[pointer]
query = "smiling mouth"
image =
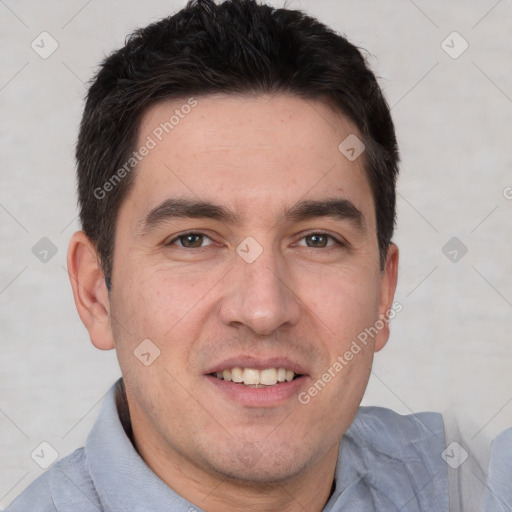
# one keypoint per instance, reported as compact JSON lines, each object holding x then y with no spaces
{"x":254,"y":378}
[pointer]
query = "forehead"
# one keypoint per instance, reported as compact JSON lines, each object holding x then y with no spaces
{"x":254,"y":152}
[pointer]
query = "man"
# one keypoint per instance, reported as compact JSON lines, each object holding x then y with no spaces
{"x":236,"y":177}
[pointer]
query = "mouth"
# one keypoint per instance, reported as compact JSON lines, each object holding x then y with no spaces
{"x":254,"y":382}
{"x":254,"y":378}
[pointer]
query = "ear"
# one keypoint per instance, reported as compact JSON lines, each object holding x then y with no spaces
{"x":388,"y":282}
{"x":89,"y":290}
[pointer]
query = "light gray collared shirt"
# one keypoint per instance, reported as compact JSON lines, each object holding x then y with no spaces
{"x":498,"y":497}
{"x":387,"y":463}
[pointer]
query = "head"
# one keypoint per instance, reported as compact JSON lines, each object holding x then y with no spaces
{"x":236,"y":178}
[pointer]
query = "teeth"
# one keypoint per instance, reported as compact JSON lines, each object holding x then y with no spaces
{"x":253,"y":377}
{"x":268,"y":377}
{"x":237,"y":375}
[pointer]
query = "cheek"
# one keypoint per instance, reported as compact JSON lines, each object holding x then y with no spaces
{"x":347,"y":300}
{"x":154,"y":301}
{"x":156,"y":305}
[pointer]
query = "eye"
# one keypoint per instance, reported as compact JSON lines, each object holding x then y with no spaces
{"x":190,"y":240}
{"x":320,"y":240}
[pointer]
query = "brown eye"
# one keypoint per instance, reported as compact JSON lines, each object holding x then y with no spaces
{"x":316,"y":240}
{"x":320,"y":240}
{"x":190,"y":240}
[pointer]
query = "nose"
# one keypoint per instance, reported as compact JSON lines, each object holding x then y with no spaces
{"x":260,"y":295}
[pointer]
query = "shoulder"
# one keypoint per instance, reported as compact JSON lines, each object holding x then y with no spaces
{"x":499,"y":490}
{"x":401,"y":437}
{"x":66,"y":486}
{"x":395,"y":460}
{"x":422,"y":424}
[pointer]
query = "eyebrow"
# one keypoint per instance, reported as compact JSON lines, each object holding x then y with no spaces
{"x":172,"y":208}
{"x":337,"y":208}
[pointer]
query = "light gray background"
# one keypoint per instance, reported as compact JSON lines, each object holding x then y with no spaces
{"x":450,"y":348}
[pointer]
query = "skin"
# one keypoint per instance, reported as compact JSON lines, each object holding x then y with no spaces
{"x":204,"y":304}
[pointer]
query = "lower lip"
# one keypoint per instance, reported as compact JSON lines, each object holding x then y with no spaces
{"x":268,"y":396}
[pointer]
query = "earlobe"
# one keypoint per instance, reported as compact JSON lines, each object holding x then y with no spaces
{"x":89,"y":290}
{"x":388,"y":283}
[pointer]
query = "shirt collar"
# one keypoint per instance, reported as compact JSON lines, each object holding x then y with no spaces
{"x":112,"y":459}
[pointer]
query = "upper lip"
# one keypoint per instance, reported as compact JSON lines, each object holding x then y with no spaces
{"x":257,"y":364}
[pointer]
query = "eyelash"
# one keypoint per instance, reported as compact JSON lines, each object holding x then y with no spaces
{"x":337,"y":242}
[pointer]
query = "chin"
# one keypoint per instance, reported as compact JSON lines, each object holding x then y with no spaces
{"x":251,"y":465}
{"x":258,"y":475}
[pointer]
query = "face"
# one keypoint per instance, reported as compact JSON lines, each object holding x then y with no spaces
{"x":246,"y":251}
